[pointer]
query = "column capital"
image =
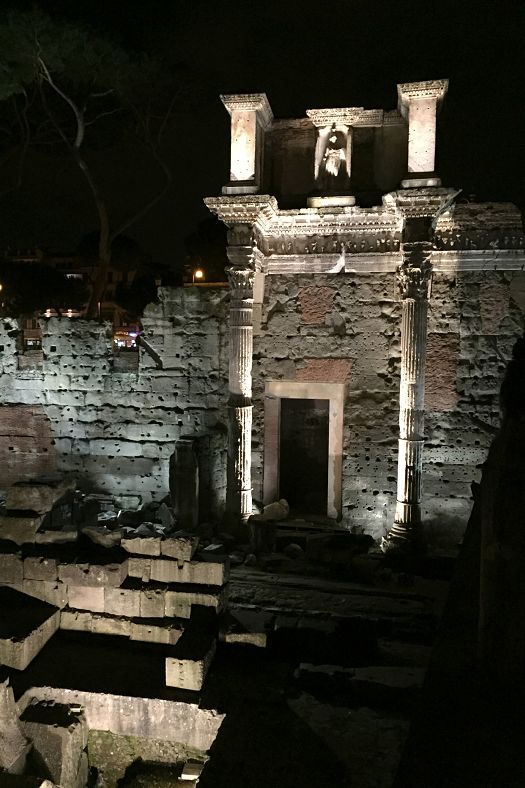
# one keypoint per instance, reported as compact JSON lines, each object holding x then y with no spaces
{"x":244,"y":209}
{"x":240,"y":280}
{"x":413,"y":275}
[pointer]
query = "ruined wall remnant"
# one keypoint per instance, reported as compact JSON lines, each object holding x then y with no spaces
{"x":116,"y":431}
{"x":357,"y":343}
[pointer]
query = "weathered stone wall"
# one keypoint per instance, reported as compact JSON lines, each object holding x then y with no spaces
{"x":345,"y":329}
{"x":474,"y":320}
{"x":339,"y":329}
{"x":117,"y":430}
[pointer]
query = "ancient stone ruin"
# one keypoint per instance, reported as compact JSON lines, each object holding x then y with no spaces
{"x":335,"y":398}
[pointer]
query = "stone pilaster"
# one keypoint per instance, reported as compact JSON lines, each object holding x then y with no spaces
{"x":413,"y":277}
{"x":239,"y":485}
{"x":250,"y":115}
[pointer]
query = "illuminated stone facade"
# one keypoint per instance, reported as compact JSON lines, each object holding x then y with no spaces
{"x":369,"y":274}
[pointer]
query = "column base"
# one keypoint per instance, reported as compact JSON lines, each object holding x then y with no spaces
{"x":404,"y":538}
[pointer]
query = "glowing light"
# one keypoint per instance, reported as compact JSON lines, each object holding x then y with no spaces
{"x":198,"y":275}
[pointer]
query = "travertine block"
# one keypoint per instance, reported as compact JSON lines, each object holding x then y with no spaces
{"x":59,"y":735}
{"x":26,"y":628}
{"x":195,"y":572}
{"x":110,"y":625}
{"x":13,"y":744}
{"x":107,"y":575}
{"x":149,"y":632}
{"x":86,"y":598}
{"x":139,"y":567}
{"x":40,"y":568}
{"x":176,"y":600}
{"x":152,"y":603}
{"x":50,"y":591}
{"x":192,"y":657}
{"x":35,"y":496}
{"x":76,"y":620}
{"x":181,"y":547}
{"x":122,"y":602}
{"x":11,"y":568}
{"x":20,"y":530}
{"x":142,"y":545}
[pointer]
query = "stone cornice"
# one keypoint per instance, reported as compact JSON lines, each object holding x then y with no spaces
{"x":417,"y":91}
{"x":420,"y":203}
{"x":256,"y":210}
{"x":255,"y":102}
{"x":348,"y":116}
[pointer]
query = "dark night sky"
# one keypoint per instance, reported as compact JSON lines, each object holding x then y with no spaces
{"x":305,"y":54}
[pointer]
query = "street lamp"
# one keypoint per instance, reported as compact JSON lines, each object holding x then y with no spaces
{"x":198,"y":274}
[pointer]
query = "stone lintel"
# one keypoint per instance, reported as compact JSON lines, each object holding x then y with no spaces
{"x":346,"y":116}
{"x":250,"y":102}
{"x":429,"y":90}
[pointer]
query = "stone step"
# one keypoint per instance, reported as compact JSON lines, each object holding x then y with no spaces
{"x":166,"y":630}
{"x":25,"y":627}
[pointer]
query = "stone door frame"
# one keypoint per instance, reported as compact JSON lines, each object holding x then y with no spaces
{"x":274,"y":392}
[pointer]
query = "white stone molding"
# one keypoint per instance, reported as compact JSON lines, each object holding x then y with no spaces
{"x":249,"y":102}
{"x":275,"y":391}
{"x":347,"y":116}
{"x":418,"y":102}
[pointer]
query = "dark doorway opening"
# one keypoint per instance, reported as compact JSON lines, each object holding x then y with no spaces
{"x":303,"y":462}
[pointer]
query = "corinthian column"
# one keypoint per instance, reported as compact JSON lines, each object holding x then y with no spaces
{"x":239,"y":483}
{"x":413,"y":277}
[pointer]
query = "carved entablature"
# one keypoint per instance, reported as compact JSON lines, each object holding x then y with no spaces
{"x":240,"y":280}
{"x":489,"y":226}
{"x":251,"y":102}
{"x":420,"y":203}
{"x":256,"y":210}
{"x":408,"y":92}
{"x":413,"y":275}
{"x":354,"y":243}
{"x":346,"y":116}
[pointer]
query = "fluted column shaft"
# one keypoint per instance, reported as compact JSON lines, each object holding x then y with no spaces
{"x":239,"y":482}
{"x":413,"y":279}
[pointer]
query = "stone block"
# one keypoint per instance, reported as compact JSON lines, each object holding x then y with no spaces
{"x":187,"y":667}
{"x":181,"y":547}
{"x":152,"y":603}
{"x":152,"y":632}
{"x":86,"y":598}
{"x":20,"y":530}
{"x":59,"y":734}
{"x":142,"y":545}
{"x":11,"y":568}
{"x":212,"y":598}
{"x":107,"y":575}
{"x":53,"y":592}
{"x":194,"y":572}
{"x":76,"y":620}
{"x":110,"y":625}
{"x":25,"y":627}
{"x":122,"y":602}
{"x":39,"y":497}
{"x":13,"y":744}
{"x":40,"y":568}
{"x":139,"y":567}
